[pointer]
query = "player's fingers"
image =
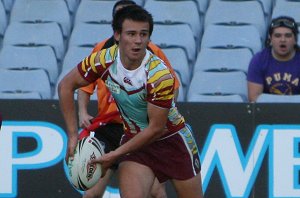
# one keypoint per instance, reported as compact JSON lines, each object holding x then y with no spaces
{"x":94,"y":161}
{"x":103,"y":171}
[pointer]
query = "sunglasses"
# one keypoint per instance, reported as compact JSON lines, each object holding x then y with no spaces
{"x":283,"y":23}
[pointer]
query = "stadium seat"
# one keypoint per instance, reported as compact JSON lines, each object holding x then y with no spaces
{"x":63,"y":73}
{"x":3,"y":20}
{"x":43,"y":11}
{"x":173,"y":14}
{"x":236,"y":12}
{"x":138,"y":2}
{"x":218,"y":83}
{"x":36,"y":34}
{"x":26,"y":80}
{"x":20,"y":95}
{"x":8,"y":4}
{"x":182,"y":89}
{"x":231,"y":98}
{"x":287,"y":8}
{"x":74,"y":55}
{"x":89,"y":34}
{"x":273,"y":98}
{"x":30,"y":57}
{"x":94,"y":11}
{"x":175,"y":36}
{"x":200,"y":4}
{"x":267,"y":7}
{"x":232,"y":36}
{"x":179,"y":62}
{"x":223,"y":59}
{"x":72,"y":5}
{"x":60,"y":77}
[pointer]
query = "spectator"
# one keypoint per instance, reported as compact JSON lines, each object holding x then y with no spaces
{"x":276,"y":69}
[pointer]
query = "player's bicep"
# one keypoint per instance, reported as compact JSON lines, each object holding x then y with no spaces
{"x":158,"y":117}
{"x":73,"y":80}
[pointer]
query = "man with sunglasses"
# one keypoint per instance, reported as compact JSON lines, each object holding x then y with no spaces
{"x":276,"y":69}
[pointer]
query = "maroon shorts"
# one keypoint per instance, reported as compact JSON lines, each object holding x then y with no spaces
{"x":175,"y":157}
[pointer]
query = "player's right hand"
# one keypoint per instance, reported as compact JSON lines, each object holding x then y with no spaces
{"x":85,"y":120}
{"x":72,"y":143}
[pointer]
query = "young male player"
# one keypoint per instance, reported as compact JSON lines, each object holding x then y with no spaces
{"x":107,"y":124}
{"x":157,"y":142}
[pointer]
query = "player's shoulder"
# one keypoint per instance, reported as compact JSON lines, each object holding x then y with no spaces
{"x":107,"y":54}
{"x":156,"y":68}
{"x":155,"y":61}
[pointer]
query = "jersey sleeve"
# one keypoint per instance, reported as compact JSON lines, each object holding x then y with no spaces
{"x":87,"y":68}
{"x":91,"y":87}
{"x":160,"y":85}
{"x":158,"y":52}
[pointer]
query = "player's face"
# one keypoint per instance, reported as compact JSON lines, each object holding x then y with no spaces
{"x":133,"y":41}
{"x":283,"y":41}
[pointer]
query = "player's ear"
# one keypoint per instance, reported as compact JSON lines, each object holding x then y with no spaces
{"x":117,"y":36}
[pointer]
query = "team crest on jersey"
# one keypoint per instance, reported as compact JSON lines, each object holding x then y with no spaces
{"x":127,"y":80}
{"x":113,"y":87}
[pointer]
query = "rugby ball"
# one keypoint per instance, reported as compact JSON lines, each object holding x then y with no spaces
{"x":82,"y":174}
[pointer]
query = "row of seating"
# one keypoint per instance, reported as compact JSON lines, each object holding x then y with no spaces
{"x":196,"y":42}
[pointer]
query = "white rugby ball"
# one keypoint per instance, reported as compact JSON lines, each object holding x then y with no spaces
{"x":82,"y":174}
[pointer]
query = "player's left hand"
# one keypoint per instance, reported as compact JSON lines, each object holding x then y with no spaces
{"x":106,"y":161}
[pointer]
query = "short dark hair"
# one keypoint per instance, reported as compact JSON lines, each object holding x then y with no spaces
{"x":122,"y":3}
{"x":135,"y":13}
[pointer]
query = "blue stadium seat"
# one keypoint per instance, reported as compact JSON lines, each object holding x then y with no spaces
{"x":139,"y":2}
{"x":74,"y":55}
{"x":43,"y":11}
{"x":35,"y":80}
{"x":94,"y":11}
{"x":273,"y":98}
{"x":89,"y":34}
{"x":218,"y":83}
{"x":20,"y":95}
{"x":175,"y":36}
{"x":236,"y":12}
{"x":72,"y":5}
{"x":8,"y":4}
{"x":179,"y":62}
{"x":231,"y":98}
{"x":36,"y":34}
{"x":173,"y":14}
{"x":287,"y":8}
{"x":182,"y":89}
{"x":267,"y":7}
{"x":200,"y":4}
{"x":30,"y":57}
{"x":3,"y":20}
{"x":223,"y":59}
{"x":60,"y":77}
{"x":232,"y":36}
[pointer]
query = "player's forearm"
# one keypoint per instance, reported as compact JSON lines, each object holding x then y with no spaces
{"x":83,"y":101}
{"x":67,"y":106}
